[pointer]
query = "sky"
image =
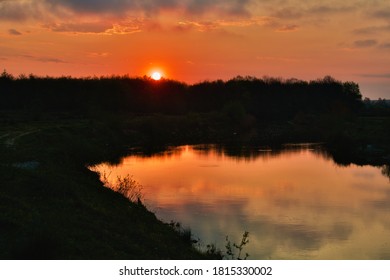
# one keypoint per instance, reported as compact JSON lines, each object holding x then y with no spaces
{"x":197,"y":40}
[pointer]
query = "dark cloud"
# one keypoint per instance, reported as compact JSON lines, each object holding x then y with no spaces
{"x":365,"y":43}
{"x":288,"y":13}
{"x":108,"y":7}
{"x":231,"y":7}
{"x":288,"y":28}
{"x":300,"y":236}
{"x":14,"y":32}
{"x":372,"y":30}
{"x":295,"y":12}
{"x":288,"y":17}
{"x":12,"y":11}
{"x":50,"y":59}
{"x":43,"y":58}
{"x":380,"y":75}
{"x":279,"y":26}
{"x":326,"y":10}
{"x":383,"y":13}
{"x":381,"y":205}
{"x":22,"y":10}
{"x":385,"y":46}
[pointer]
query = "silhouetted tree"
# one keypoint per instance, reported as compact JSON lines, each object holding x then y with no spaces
{"x":263,"y":98}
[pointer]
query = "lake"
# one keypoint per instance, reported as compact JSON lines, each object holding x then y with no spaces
{"x":296,"y":203}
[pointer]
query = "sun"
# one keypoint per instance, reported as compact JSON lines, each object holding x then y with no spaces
{"x":156,"y":76}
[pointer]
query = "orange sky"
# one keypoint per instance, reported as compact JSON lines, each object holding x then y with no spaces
{"x":194,"y":40}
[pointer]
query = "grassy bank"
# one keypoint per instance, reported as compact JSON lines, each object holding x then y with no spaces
{"x":53,"y":207}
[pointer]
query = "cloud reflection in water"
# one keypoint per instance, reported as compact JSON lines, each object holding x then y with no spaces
{"x":296,"y":203}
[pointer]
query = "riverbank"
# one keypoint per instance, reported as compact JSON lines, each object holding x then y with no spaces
{"x":53,"y":207}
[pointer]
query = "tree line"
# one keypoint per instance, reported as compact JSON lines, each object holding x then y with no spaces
{"x":266,"y":98}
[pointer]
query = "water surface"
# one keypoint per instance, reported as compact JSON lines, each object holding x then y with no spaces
{"x":296,"y":203}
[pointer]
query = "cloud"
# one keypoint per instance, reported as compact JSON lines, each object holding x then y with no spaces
{"x":385,"y":46}
{"x":365,"y":43}
{"x":327,"y":10}
{"x":103,"y":26}
{"x":290,"y":17}
{"x":229,"y":7}
{"x":298,"y":237}
{"x":296,"y":12}
{"x":102,"y":16}
{"x":288,"y":13}
{"x":14,"y":32}
{"x":45,"y":59}
{"x":372,"y":30}
{"x":116,"y":7}
{"x":279,"y":25}
{"x":382,"y":13}
{"x":200,"y":26}
{"x":98,"y":54}
{"x":277,"y":59}
{"x":378,"y":75}
{"x":149,"y":7}
{"x":17,"y":10}
{"x":50,"y":59}
{"x":212,"y":25}
{"x":288,"y":28}
{"x":203,"y":26}
{"x":20,"y":10}
{"x":260,"y":21}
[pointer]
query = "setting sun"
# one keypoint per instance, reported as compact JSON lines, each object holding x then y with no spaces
{"x":156,"y":76}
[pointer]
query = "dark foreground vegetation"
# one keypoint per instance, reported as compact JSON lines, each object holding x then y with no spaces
{"x":53,"y":207}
